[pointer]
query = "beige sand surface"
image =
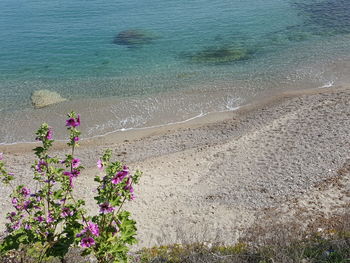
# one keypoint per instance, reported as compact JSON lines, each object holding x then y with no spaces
{"x":211,"y":179}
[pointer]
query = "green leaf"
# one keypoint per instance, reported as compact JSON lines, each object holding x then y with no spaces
{"x":97,"y":179}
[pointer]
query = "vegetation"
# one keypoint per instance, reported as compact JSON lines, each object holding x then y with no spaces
{"x":322,"y":246}
{"x":47,"y":222}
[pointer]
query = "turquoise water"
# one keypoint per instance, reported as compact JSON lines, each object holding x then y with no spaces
{"x":202,"y":56}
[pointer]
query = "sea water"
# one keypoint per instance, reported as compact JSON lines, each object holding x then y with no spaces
{"x":189,"y":58}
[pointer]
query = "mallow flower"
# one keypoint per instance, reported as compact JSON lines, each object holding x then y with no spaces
{"x":93,"y":228}
{"x":75,"y":163}
{"x":87,"y":242}
{"x":41,"y":164}
{"x":49,"y":134}
{"x":66,"y":212}
{"x":106,"y":208}
{"x":25,"y":191}
{"x":120,"y":176}
{"x":99,"y":164}
{"x":72,"y":122}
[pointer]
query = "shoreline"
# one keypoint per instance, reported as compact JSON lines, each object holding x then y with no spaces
{"x":118,"y":136}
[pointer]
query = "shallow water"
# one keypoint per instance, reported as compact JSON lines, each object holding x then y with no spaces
{"x":200,"y":56}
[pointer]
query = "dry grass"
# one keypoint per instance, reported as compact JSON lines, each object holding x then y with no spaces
{"x":325,"y":241}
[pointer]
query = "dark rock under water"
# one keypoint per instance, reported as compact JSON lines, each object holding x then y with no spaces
{"x":326,"y":17}
{"x":322,"y":18}
{"x":219,"y":55}
{"x":133,"y":38}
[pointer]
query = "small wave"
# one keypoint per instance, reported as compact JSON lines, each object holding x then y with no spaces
{"x":329,"y":84}
{"x":202,"y":114}
{"x":163,"y":125}
{"x":150,"y":127}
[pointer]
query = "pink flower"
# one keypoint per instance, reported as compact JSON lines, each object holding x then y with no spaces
{"x":49,"y":134}
{"x":75,"y":173}
{"x":82,"y":233}
{"x":123,"y":173}
{"x":71,"y":181}
{"x":16,"y":226}
{"x":116,"y":180}
{"x":39,"y":218}
{"x":26,"y":204}
{"x":49,"y":219}
{"x":76,"y":139}
{"x":14,"y":201}
{"x":128,"y":182}
{"x":75,"y":162}
{"x":10,"y":216}
{"x":120,"y":176}
{"x":25,"y":191}
{"x":93,"y":228}
{"x":87,"y":242}
{"x":66,"y":212}
{"x":100,"y":164}
{"x":129,"y":188}
{"x":72,"y":175}
{"x":72,"y":122}
{"x":106,"y":208}
{"x":39,"y":167}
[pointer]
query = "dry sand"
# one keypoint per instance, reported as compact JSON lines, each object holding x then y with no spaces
{"x":211,"y":179}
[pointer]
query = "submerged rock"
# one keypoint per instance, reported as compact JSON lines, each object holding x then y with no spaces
{"x":298,"y":36}
{"x":327,"y":17}
{"x":133,"y":37}
{"x":43,"y":98}
{"x":186,"y":75}
{"x":218,"y":55}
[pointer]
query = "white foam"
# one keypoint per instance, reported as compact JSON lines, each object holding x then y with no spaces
{"x":329,"y":84}
{"x":141,"y":128}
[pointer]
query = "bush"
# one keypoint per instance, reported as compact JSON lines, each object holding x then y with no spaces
{"x":51,"y":220}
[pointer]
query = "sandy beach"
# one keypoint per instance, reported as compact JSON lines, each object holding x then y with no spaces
{"x":211,"y":179}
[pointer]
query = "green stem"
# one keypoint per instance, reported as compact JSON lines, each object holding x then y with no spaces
{"x":48,"y":194}
{"x":82,"y":214}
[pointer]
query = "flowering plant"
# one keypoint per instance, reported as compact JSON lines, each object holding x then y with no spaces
{"x":54,"y":220}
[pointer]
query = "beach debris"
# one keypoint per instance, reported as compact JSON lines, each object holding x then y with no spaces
{"x":44,"y":97}
{"x":134,"y":38}
{"x":220,"y":55}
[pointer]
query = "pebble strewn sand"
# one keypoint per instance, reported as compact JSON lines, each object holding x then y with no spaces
{"x":210,"y":182}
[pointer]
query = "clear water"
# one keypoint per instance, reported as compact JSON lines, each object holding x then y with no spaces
{"x":67,"y":46}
